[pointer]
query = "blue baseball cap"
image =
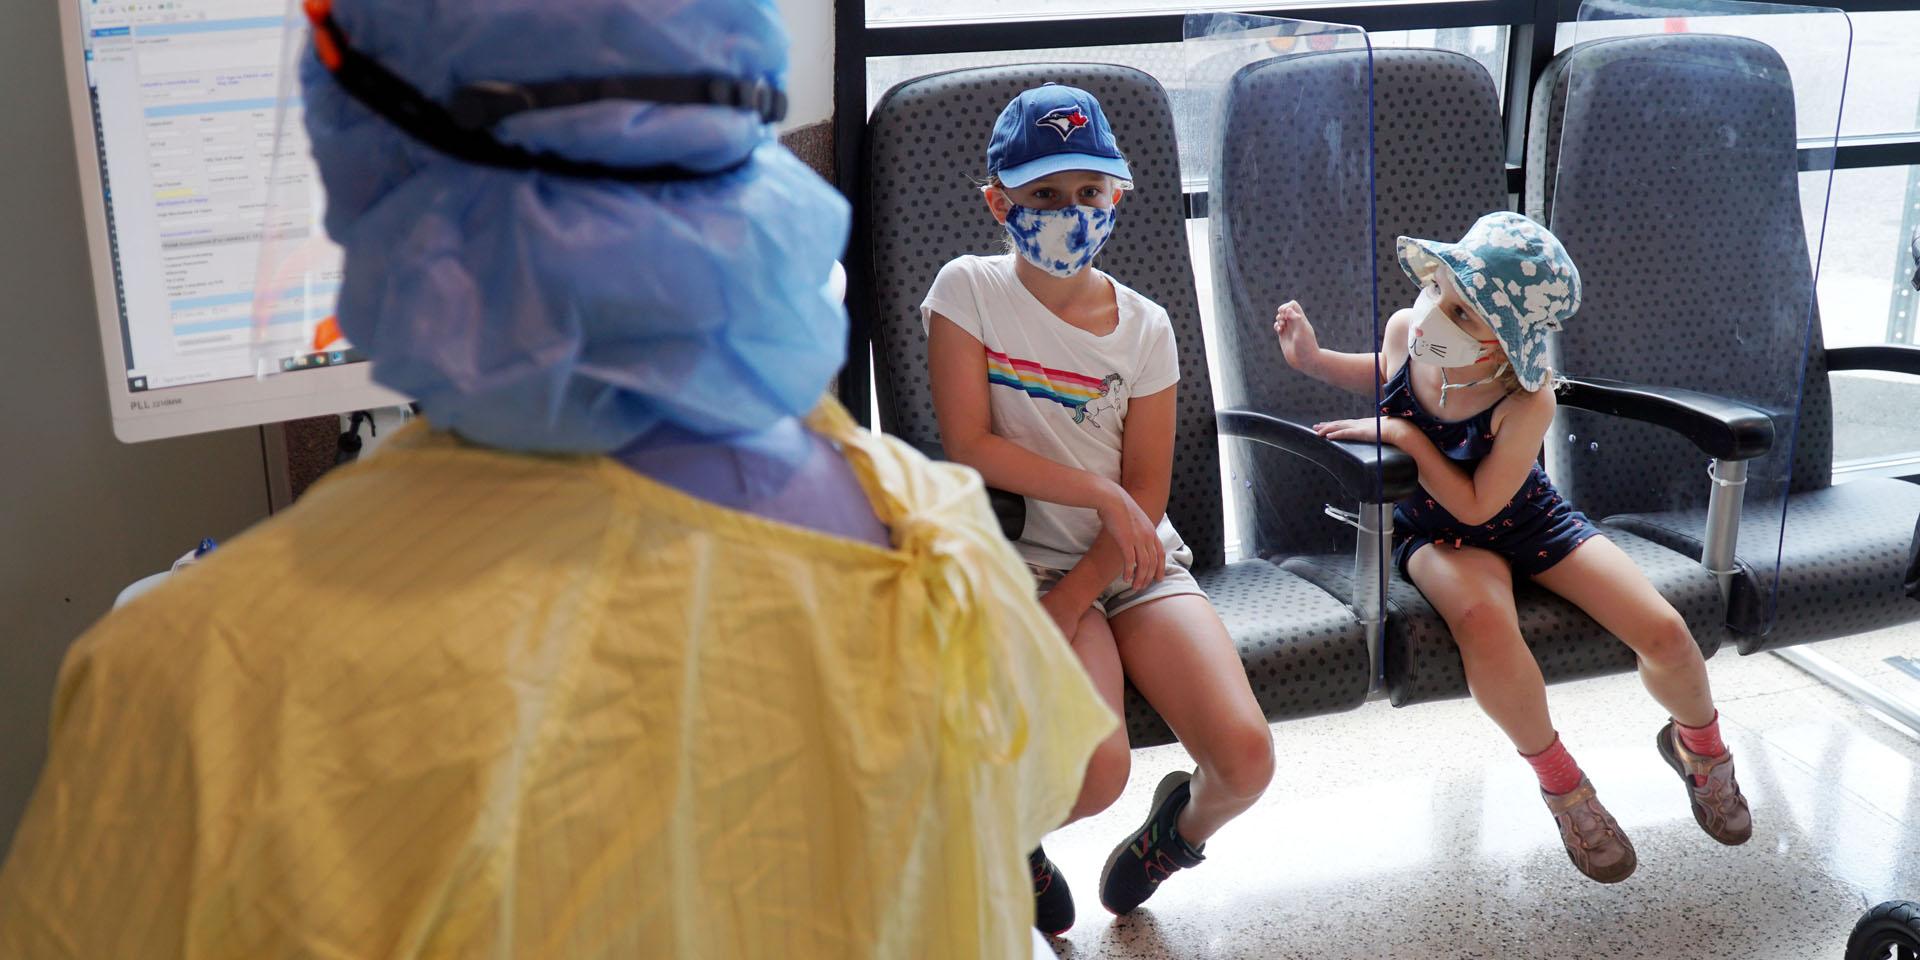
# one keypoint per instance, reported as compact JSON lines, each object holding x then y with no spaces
{"x":1050,"y":129}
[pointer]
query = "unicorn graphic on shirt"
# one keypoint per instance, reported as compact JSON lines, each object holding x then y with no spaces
{"x":1106,"y":401}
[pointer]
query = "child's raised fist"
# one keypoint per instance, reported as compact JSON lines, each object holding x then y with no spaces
{"x":1297,"y":341}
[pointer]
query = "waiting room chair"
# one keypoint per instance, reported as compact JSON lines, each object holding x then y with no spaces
{"x":1686,"y":155}
{"x":1437,"y":168}
{"x":1304,"y":651}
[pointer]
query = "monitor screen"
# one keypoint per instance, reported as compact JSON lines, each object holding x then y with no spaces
{"x":176,"y":104}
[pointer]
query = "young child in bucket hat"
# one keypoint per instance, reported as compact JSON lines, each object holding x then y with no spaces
{"x":1465,"y":377}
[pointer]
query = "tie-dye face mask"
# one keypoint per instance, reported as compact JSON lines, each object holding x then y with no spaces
{"x":1062,"y":242}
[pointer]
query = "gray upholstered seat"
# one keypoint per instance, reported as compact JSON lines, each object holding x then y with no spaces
{"x":1715,"y":252}
{"x":1302,"y":649}
{"x":1841,"y":572}
{"x":1423,"y":664}
{"x":1438,"y":167}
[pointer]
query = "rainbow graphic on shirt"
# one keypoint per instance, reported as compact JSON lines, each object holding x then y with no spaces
{"x":1064,"y":387}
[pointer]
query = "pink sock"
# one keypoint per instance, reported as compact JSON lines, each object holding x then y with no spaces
{"x":1555,"y":767}
{"x":1702,"y":741}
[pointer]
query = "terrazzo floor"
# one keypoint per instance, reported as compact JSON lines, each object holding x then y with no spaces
{"x":1418,"y":833}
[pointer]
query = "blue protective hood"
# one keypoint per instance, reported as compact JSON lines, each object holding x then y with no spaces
{"x":535,"y":312}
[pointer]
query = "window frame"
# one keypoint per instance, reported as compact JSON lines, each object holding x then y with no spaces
{"x":1533,"y":28}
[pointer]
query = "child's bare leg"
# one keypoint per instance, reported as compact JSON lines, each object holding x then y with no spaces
{"x":1472,"y":589}
{"x":1178,"y":654}
{"x":1107,"y":769}
{"x":1601,"y":579}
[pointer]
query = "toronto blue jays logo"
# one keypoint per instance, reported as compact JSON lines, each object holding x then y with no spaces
{"x":1063,"y":121}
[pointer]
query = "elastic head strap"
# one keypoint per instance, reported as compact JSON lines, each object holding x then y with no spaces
{"x":482,"y":105}
{"x":400,"y":103}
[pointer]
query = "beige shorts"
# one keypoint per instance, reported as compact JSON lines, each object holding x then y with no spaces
{"x":1119,"y":596}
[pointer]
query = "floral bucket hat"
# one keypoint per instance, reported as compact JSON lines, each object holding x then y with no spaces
{"x":1516,"y":274}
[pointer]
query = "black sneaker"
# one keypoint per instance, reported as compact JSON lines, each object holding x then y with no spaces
{"x":1052,"y":901}
{"x":1153,"y":853}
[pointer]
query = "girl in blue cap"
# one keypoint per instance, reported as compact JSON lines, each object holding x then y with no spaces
{"x":1463,"y":371}
{"x":1058,"y":383}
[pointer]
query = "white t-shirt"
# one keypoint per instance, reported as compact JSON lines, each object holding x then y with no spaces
{"x":1056,"y":389}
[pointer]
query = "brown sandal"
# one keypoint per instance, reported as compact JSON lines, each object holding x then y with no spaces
{"x":1718,"y":805}
{"x":1595,"y":843}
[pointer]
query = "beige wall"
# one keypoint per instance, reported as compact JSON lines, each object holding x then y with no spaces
{"x":808,"y":130}
{"x":81,"y":514}
{"x":810,"y":70}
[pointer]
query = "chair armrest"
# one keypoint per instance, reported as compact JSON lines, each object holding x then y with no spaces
{"x":1009,"y":508}
{"x":1723,"y":429}
{"x":1369,"y":473}
{"x":1891,"y":357}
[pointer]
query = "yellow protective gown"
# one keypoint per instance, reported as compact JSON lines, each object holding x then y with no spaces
{"x":460,"y":703}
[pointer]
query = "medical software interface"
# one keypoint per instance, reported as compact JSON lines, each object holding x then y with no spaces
{"x":185,"y":104}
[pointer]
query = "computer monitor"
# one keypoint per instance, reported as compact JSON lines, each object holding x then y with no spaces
{"x":175,"y":104}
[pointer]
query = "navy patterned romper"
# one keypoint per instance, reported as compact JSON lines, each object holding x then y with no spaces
{"x":1534,"y":531}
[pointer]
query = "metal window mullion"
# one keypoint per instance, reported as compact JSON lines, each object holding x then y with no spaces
{"x":850,"y":167}
{"x":1529,"y":48}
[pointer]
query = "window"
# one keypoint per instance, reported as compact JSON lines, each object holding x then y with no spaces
{"x":1882,"y":94}
{"x":1867,"y":297}
{"x":952,"y":11}
{"x":1864,"y":283}
{"x":1163,"y":61}
{"x":1866,"y":269}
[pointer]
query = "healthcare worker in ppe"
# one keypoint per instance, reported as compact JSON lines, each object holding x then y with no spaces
{"x":638,"y":647}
